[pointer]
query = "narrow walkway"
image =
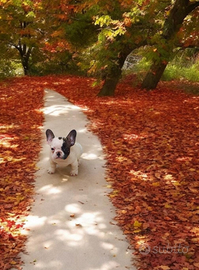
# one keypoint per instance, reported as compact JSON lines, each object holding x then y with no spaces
{"x":71,"y":223}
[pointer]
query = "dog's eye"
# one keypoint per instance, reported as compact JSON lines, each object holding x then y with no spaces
{"x":52,"y":149}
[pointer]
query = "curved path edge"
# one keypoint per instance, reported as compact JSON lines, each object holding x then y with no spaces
{"x":71,"y":224}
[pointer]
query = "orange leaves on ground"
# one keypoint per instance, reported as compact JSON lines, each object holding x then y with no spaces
{"x":151,"y":141}
{"x":152,"y":149}
{"x":20,"y":120}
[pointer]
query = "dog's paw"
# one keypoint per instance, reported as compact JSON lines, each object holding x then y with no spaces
{"x":51,"y":171}
{"x":73,"y":173}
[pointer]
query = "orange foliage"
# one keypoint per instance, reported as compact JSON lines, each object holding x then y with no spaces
{"x":20,"y":120}
{"x":151,"y":144}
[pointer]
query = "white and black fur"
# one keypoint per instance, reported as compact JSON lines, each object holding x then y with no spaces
{"x":64,"y":151}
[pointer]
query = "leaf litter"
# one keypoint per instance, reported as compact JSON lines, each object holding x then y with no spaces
{"x":20,"y":136}
{"x":151,"y":142}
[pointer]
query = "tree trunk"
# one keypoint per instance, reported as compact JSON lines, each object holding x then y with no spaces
{"x":153,"y":76}
{"x":113,"y":76}
{"x":25,"y":53}
{"x":171,"y":27}
{"x":111,"y":81}
{"x":25,"y":64}
{"x":109,"y":86}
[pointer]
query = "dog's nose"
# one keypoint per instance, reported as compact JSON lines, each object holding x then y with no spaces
{"x":58,"y":154}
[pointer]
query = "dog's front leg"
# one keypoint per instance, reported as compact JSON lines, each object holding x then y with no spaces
{"x":74,"y":168}
{"x":52,"y":167}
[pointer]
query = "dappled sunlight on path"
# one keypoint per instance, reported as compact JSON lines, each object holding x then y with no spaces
{"x":71,"y":223}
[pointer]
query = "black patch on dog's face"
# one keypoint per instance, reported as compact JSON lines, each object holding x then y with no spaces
{"x":60,"y":138}
{"x":68,"y":142}
{"x":66,"y":150}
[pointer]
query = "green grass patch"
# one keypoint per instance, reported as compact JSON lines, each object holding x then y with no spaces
{"x":175,"y":72}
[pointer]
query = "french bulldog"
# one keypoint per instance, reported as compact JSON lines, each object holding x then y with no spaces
{"x":64,"y":151}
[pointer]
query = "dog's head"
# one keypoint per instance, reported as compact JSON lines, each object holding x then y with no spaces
{"x":60,"y":147}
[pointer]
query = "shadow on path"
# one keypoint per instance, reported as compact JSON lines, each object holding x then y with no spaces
{"x":71,"y":223}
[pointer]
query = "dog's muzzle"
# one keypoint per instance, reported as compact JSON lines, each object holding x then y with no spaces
{"x":59,"y":154}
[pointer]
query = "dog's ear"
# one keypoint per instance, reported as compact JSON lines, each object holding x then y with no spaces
{"x":49,"y":136}
{"x":70,"y":139}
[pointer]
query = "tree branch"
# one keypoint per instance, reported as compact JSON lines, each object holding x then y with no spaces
{"x":192,"y":6}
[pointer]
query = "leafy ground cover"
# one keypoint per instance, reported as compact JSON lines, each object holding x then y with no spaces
{"x":20,"y":120}
{"x":151,"y":141}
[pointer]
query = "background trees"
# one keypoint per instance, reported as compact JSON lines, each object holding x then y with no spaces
{"x":169,"y":41}
{"x":97,"y":36}
{"x":20,"y":29}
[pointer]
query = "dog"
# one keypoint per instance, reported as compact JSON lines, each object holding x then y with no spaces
{"x":64,"y":151}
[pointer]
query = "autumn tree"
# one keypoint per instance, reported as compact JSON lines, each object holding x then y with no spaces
{"x":125,"y":26}
{"x":21,"y":28}
{"x":75,"y":30}
{"x":32,"y":28}
{"x":122,"y":27}
{"x":168,"y":40}
{"x":97,"y":35}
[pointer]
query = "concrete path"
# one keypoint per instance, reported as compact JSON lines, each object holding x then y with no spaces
{"x":71,"y":223}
